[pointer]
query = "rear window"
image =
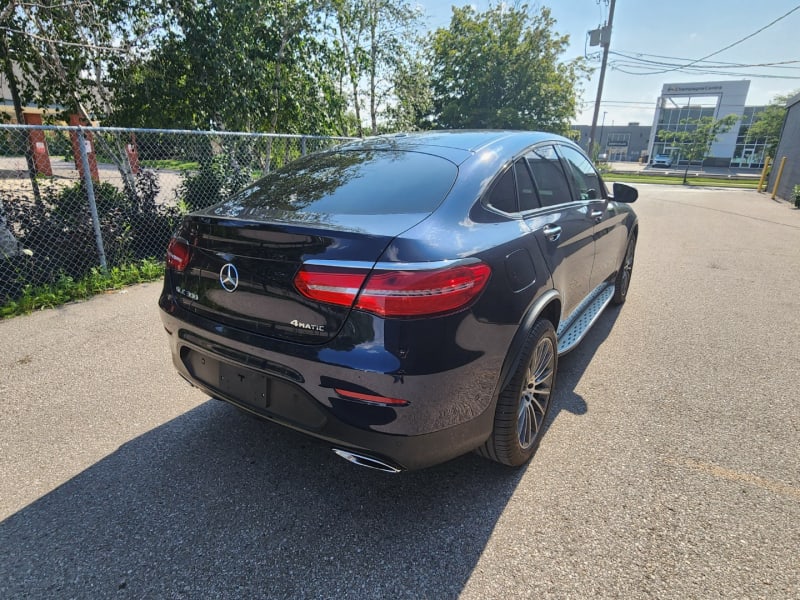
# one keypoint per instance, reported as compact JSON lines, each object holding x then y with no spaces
{"x":349,"y":182}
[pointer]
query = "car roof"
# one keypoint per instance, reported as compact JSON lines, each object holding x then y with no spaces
{"x":456,"y":145}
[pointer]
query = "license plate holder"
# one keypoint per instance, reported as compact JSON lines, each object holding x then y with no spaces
{"x":245,"y":385}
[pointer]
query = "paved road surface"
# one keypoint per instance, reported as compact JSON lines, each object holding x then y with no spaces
{"x":670,"y":469}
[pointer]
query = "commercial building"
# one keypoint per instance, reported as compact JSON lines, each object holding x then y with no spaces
{"x":681,"y":103}
{"x":617,"y":142}
{"x":678,"y":105}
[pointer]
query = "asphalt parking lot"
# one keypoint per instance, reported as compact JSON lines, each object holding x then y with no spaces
{"x":670,"y":468}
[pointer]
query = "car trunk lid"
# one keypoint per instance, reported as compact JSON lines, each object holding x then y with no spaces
{"x":341,"y":207}
{"x":241,"y":274}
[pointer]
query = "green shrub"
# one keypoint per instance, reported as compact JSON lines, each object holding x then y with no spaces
{"x":66,"y":289}
{"x":58,"y":235}
{"x":217,"y":179}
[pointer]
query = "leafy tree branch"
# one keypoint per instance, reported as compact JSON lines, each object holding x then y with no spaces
{"x":697,"y":137}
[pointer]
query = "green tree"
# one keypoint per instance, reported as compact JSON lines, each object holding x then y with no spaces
{"x":413,"y":95}
{"x":60,"y":53}
{"x":504,"y":68}
{"x":697,"y":137}
{"x":243,"y":65}
{"x":767,"y":124}
{"x":350,"y":33}
{"x":375,"y":39}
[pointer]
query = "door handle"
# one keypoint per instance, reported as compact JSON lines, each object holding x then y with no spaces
{"x":597,"y":215}
{"x":552,"y":232}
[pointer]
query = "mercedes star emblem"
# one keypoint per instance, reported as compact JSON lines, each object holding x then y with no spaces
{"x":229,"y":277}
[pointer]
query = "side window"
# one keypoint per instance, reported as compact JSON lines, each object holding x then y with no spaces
{"x":504,"y":193}
{"x":586,"y":181}
{"x":525,"y":187}
{"x":549,"y":176}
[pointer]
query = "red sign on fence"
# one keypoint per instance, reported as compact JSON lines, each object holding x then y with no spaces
{"x":41,"y":158}
{"x":133,"y":154}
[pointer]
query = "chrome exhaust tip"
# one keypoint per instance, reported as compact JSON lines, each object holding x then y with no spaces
{"x":366,"y":461}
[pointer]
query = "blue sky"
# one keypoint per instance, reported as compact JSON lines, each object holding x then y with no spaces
{"x":689,"y":29}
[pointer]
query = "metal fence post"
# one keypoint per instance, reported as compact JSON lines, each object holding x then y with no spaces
{"x":303,"y":146}
{"x":87,"y":179}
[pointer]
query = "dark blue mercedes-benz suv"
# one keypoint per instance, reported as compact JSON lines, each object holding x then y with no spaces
{"x":404,"y":298}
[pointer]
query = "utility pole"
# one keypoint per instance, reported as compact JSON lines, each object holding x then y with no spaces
{"x":605,"y":42}
{"x":602,"y":127}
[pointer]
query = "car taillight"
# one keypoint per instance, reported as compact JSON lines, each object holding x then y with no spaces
{"x":395,"y":293}
{"x":330,"y":284}
{"x":178,"y":253}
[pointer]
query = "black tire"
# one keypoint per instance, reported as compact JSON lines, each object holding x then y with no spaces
{"x":523,"y":405}
{"x":623,"y":280}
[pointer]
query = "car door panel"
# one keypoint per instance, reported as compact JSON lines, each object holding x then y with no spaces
{"x":563,"y":228}
{"x":608,"y":225}
{"x":570,"y":254}
{"x":610,"y":238}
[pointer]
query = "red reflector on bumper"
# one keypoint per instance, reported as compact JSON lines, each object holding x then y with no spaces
{"x":350,"y":395}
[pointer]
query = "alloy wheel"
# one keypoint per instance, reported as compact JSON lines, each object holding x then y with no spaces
{"x":535,"y":396}
{"x":627,"y":268}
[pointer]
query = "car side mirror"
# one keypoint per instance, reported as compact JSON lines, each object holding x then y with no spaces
{"x":625,"y":193}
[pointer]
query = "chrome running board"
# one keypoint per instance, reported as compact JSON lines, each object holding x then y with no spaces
{"x":573,"y":329}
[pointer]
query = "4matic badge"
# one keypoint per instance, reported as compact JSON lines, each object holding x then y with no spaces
{"x":301,"y":325}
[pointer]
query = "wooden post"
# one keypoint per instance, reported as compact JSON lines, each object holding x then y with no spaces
{"x":764,"y":173}
{"x":778,"y":178}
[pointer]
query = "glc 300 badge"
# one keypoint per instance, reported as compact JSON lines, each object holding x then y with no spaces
{"x":229,"y":277}
{"x":187,"y":293}
{"x":301,"y":325}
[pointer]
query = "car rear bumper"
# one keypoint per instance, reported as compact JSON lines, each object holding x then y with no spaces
{"x":448,"y":413}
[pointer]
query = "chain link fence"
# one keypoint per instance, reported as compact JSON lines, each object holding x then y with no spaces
{"x":78,"y":199}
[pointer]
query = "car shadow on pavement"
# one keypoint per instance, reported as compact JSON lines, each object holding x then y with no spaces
{"x":216,"y":504}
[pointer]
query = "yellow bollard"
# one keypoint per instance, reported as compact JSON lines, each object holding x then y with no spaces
{"x":764,"y":173}
{"x":778,"y":178}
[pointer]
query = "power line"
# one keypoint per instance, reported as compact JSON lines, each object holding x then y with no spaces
{"x":728,"y":47}
{"x":708,"y":65}
{"x":609,"y":102}
{"x":623,"y":67}
{"x":643,"y":66}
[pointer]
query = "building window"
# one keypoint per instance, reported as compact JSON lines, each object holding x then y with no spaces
{"x":617,"y":146}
